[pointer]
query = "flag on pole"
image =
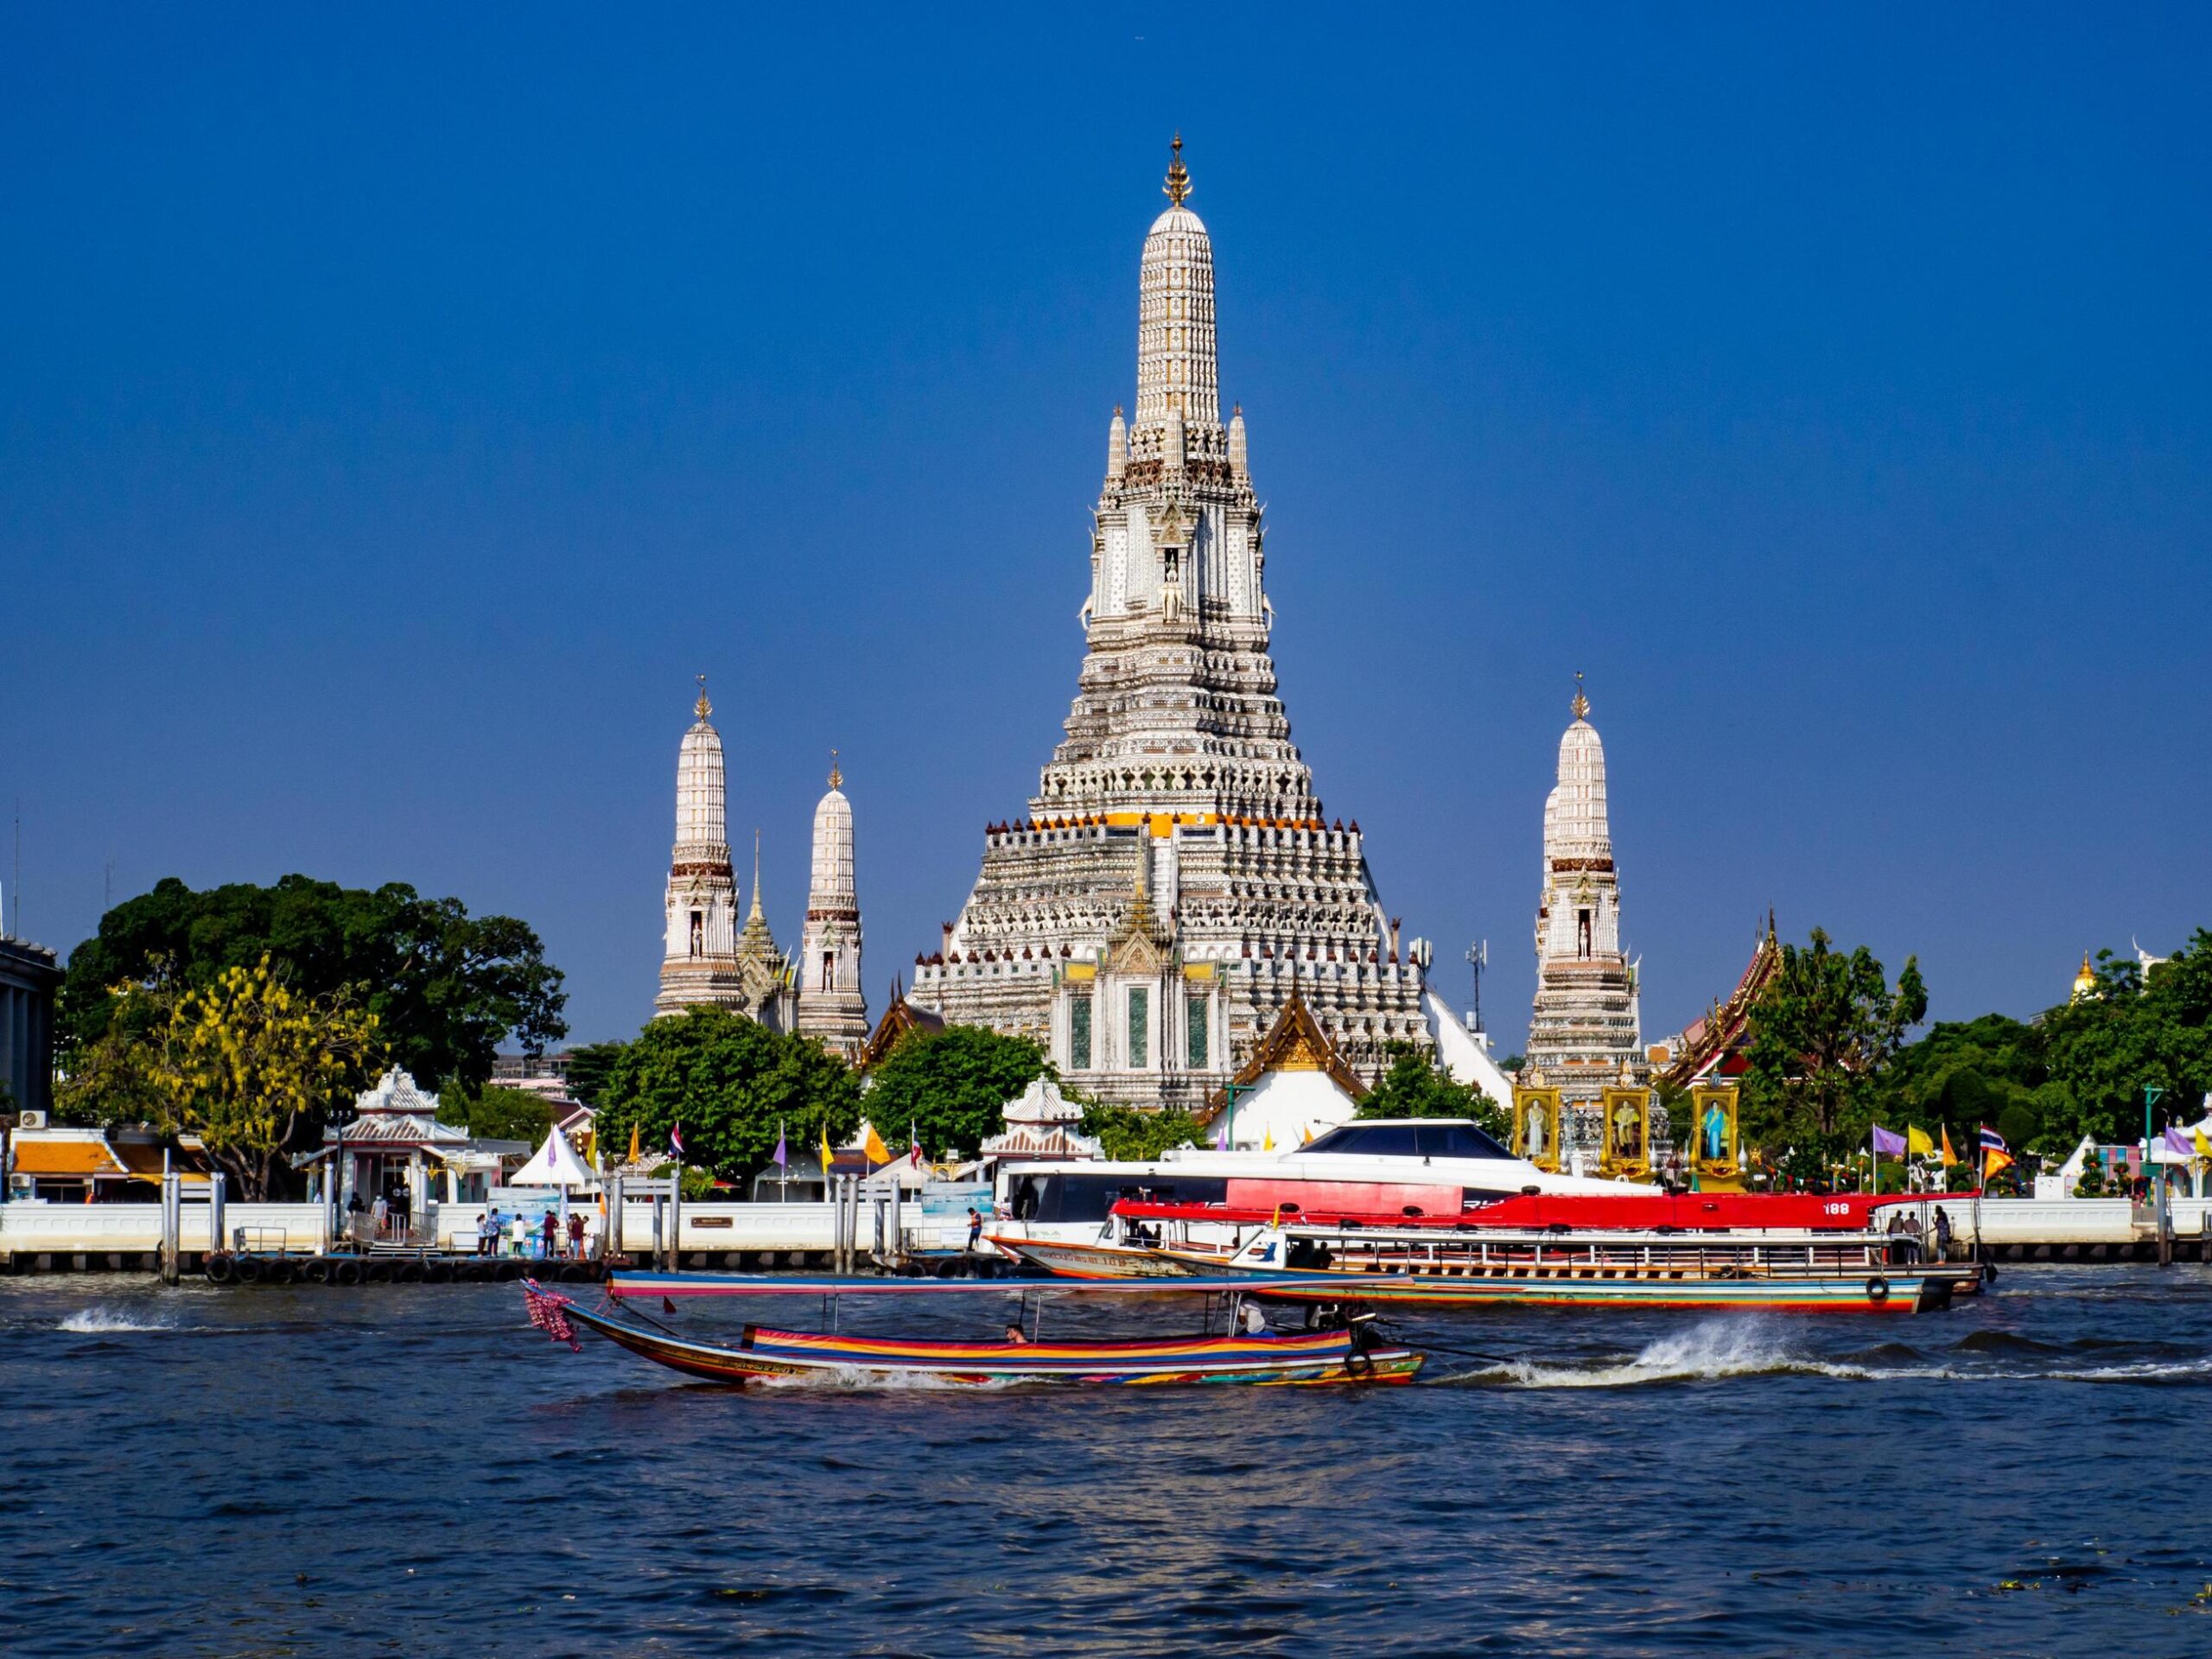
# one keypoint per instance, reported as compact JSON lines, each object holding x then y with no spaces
{"x":877,"y":1152}
{"x":676,"y":1140}
{"x":783,"y":1156}
{"x":634,"y":1158}
{"x":1221,"y":1136}
{"x":1995,"y":1155}
{"x":914,"y":1152}
{"x":1887,"y":1144}
{"x":2203,"y":1147}
{"x":828,"y":1156}
{"x":1268,"y":1140}
{"x":1950,"y":1157}
{"x":1916,"y":1142}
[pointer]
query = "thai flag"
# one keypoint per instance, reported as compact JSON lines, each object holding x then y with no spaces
{"x":676,"y":1140}
{"x":1993,"y":1142}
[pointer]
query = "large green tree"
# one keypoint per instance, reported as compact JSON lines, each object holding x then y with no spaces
{"x":589,"y":1067}
{"x":1415,"y":1086}
{"x":1821,"y":1035}
{"x":1128,"y":1135}
{"x":949,"y":1087}
{"x":2134,"y":1031}
{"x":729,"y":1083}
{"x":446,"y":988}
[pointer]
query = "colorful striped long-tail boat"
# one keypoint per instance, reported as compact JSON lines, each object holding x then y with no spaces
{"x":763,"y":1354}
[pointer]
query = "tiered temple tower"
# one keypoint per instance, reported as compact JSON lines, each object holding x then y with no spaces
{"x":699,"y":965}
{"x":1585,"y":1035}
{"x":708,"y":961}
{"x":1175,"y":877}
{"x":830,"y":1002}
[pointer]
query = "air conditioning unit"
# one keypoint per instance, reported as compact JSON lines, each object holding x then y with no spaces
{"x":31,"y":1120}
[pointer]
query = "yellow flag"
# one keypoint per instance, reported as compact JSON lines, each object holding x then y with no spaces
{"x":1268,"y":1140}
{"x":1950,"y":1157}
{"x":828,"y":1156}
{"x":877,"y":1152}
{"x":1307,"y":1139}
{"x":633,"y":1143}
{"x":2203,"y":1147}
{"x":1916,"y":1142}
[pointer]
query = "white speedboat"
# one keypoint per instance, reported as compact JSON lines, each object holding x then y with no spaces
{"x":1371,"y":1167}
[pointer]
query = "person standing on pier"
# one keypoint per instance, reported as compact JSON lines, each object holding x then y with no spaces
{"x":975,"y":1229}
{"x":576,"y":1233}
{"x":487,"y":1231}
{"x":551,"y":1229}
{"x":377,"y":1212}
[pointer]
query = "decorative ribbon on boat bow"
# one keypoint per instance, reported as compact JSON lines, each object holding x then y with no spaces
{"x":546,"y":1313}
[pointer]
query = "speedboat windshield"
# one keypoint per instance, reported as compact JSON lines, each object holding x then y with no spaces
{"x":1445,"y":1138}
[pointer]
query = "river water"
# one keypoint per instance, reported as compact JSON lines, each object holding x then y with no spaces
{"x":414,"y":1469}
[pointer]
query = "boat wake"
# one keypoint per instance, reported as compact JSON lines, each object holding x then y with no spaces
{"x":1702,"y":1353}
{"x":99,"y":1321}
{"x":1733,"y":1349}
{"x":846,"y":1379}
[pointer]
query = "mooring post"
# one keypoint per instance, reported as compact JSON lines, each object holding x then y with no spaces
{"x":172,"y":1221}
{"x":217,"y":1238}
{"x":612,"y":1244}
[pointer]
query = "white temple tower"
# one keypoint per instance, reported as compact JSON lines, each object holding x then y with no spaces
{"x":699,"y":962}
{"x":1175,"y":877}
{"x":1586,"y":1033}
{"x":830,"y":1002}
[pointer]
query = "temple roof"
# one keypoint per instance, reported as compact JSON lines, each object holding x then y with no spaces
{"x":1708,"y":1040}
{"x":1295,"y":1043}
{"x":899,"y":1019}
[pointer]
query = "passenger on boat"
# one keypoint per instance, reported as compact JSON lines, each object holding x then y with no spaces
{"x":1015,"y":1334}
{"x":1255,"y":1322}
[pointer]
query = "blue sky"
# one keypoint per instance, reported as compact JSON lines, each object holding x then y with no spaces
{"x":397,"y":407}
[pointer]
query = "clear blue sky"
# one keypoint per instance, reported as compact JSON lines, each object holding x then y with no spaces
{"x":398,"y":406}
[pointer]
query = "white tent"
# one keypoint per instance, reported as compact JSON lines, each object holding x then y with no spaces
{"x":554,"y":1164}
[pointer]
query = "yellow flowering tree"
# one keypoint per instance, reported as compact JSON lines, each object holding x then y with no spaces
{"x":255,"y":1069}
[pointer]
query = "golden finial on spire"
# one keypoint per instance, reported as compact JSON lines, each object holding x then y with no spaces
{"x":1178,"y":179}
{"x":836,"y":777}
{"x":702,"y":708}
{"x":1581,"y":704}
{"x":755,"y":915}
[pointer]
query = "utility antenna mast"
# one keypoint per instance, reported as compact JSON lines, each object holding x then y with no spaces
{"x":1477,"y":959}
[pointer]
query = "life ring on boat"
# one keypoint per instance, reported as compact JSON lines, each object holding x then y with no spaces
{"x":248,"y":1270}
{"x":345,"y":1272}
{"x":1877,"y":1290}
{"x":221,"y":1269}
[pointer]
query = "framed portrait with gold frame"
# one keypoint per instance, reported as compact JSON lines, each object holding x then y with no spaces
{"x":1535,"y":1127}
{"x":1627,"y":1149}
{"x":1713,"y":1129}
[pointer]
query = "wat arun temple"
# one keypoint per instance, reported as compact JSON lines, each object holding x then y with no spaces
{"x":1175,"y":890}
{"x":1175,"y":880}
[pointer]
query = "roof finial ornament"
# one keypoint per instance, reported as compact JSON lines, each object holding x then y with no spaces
{"x":702,"y":708}
{"x":836,"y":777}
{"x":1179,"y":178}
{"x":1581,"y":704}
{"x":755,"y":916}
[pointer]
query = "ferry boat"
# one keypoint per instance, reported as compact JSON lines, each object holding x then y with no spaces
{"x":1785,"y":1252}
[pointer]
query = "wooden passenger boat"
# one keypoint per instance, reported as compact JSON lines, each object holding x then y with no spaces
{"x":761,"y":1354}
{"x":1775,"y":1271}
{"x":1067,"y":1259}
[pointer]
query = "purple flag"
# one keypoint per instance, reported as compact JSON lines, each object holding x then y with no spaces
{"x":783,"y":1154}
{"x":2175,"y":1141}
{"x":1886,"y":1143}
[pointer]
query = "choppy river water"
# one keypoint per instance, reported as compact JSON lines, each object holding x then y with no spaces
{"x":414,"y":1470}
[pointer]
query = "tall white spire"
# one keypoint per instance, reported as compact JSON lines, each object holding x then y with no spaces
{"x":832,"y":1005}
{"x":1177,"y":370}
{"x":1584,"y":1035}
{"x":700,"y":909}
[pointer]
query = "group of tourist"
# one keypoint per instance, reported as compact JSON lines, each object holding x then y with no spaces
{"x":544,"y":1239}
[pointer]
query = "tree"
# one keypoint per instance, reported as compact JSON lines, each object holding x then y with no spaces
{"x":949,"y":1087}
{"x":1416,"y":1087}
{"x":496,"y":1113}
{"x":729,"y":1083}
{"x":446,"y":988}
{"x":2134,"y":1031}
{"x":589,"y":1068}
{"x":1127,"y":1135}
{"x":250,"y":1066}
{"x":1822,"y":1032}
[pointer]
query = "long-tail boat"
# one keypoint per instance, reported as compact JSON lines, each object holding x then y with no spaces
{"x":1347,"y":1356}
